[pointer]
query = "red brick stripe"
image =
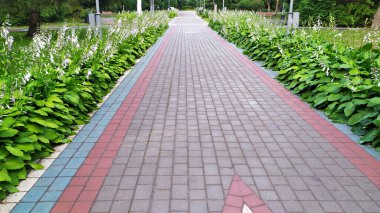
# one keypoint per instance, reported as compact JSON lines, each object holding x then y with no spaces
{"x":362,"y":160}
{"x":85,"y":185}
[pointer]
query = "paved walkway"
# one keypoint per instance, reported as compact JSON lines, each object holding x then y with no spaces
{"x":197,"y":127}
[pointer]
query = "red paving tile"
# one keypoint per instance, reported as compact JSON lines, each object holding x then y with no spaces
{"x":239,"y":194}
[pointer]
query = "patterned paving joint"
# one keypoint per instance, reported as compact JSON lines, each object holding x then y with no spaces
{"x":241,"y":199}
{"x":197,"y":127}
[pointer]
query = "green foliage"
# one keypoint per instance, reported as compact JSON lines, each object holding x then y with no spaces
{"x":347,"y":13}
{"x":343,"y":82}
{"x":44,"y":104}
{"x":172,"y":13}
{"x":250,"y":4}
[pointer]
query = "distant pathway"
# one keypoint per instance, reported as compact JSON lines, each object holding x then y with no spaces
{"x":197,"y":127}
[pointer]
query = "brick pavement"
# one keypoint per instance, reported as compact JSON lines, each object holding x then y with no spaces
{"x":202,"y":113}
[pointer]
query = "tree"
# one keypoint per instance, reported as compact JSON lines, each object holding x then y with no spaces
{"x":268,"y":4}
{"x":277,"y":6}
{"x":376,"y":20}
{"x":250,"y":4}
{"x":32,"y":10}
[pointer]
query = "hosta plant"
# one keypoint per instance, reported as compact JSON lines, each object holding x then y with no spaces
{"x":50,"y":86}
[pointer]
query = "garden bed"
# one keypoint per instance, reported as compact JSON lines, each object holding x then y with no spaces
{"x":51,"y":86}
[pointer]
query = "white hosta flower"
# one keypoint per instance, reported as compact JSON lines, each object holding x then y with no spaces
{"x":26,"y":78}
{"x":61,"y":72}
{"x":77,"y":70}
{"x":339,"y":35}
{"x":89,"y":73}
{"x":4,"y":33}
{"x":65,"y":62}
{"x":367,"y":38}
{"x":39,"y":43}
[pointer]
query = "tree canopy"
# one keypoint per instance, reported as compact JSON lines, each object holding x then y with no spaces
{"x":344,"y":12}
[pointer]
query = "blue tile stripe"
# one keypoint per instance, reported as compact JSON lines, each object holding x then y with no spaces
{"x":47,"y":190}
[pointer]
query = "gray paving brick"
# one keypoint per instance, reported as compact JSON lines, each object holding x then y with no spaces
{"x":204,"y":117}
{"x":179,"y":205}
{"x":101,"y":206}
{"x":120,"y":206}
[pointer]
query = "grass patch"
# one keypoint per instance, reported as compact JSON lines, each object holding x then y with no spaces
{"x":350,"y":37}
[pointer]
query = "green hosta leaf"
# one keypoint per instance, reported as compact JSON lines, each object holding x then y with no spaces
{"x":8,"y":122}
{"x":86,"y":96}
{"x":334,"y":97}
{"x":43,"y":139}
{"x":338,"y":117}
{"x":374,"y":102}
{"x":54,"y":98}
{"x":25,"y":147}
{"x":15,"y":151}
{"x":71,"y":97}
{"x":50,"y":134}
{"x":354,"y":72}
{"x":62,"y":107}
{"x":7,"y":132}
{"x":40,"y":112}
{"x":4,"y":175}
{"x":59,"y":90}
{"x":49,"y":104}
{"x":3,"y":153}
{"x":360,"y":101}
{"x":21,"y":173}
{"x":36,"y":166}
{"x":34,"y":128}
{"x":377,"y":121}
{"x":46,"y":109}
{"x":349,"y":109}
{"x":13,"y":163}
{"x":357,"y":80}
{"x":26,"y":139}
{"x":370,"y":136}
{"x":333,"y":89}
{"x":44,"y":122}
{"x":345,"y":66}
{"x":10,"y":188}
{"x":40,"y":103}
{"x":359,"y":117}
{"x":366,"y":47}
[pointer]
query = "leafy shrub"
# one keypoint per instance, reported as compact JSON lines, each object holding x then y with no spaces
{"x":172,"y":13}
{"x":343,"y":82}
{"x":347,"y":13}
{"x":50,"y":87}
{"x":250,"y":4}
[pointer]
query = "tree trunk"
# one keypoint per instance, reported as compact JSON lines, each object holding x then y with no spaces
{"x":268,"y":4}
{"x":277,"y":6}
{"x":179,"y":4}
{"x":376,"y":20}
{"x":34,"y":20}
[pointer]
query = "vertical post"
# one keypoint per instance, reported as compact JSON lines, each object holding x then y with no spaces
{"x":290,"y":17}
{"x":223,"y":6}
{"x":98,"y":19}
{"x":139,"y":11}
{"x":151,"y":5}
{"x":97,"y":15}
